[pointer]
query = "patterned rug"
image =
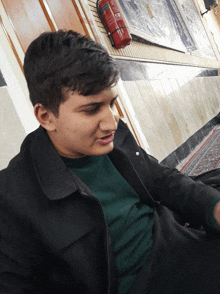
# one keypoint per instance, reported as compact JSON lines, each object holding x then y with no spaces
{"x":206,"y":158}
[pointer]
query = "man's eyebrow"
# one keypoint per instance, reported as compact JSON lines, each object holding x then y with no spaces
{"x":93,"y":104}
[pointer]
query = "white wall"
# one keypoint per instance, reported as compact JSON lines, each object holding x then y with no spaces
{"x":16,"y":112}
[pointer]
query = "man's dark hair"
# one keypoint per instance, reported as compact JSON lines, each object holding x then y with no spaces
{"x":66,"y":59}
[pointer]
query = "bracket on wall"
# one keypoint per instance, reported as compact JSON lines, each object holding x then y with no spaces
{"x":208,"y":5}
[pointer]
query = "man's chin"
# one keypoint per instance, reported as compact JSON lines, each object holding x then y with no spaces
{"x":105,"y":149}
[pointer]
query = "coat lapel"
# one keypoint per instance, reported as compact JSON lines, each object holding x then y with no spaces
{"x":55,"y":179}
{"x":120,"y":157}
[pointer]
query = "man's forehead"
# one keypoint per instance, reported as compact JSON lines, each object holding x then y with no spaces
{"x":77,"y":98}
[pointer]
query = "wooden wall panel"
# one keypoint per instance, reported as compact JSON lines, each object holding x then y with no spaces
{"x":11,"y":44}
{"x":66,"y":16}
{"x":217,"y":13}
{"x":27,"y":18}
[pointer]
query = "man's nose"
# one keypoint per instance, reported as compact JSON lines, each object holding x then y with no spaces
{"x":109,"y":119}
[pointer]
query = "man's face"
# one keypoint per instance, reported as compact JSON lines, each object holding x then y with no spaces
{"x":85,"y":124}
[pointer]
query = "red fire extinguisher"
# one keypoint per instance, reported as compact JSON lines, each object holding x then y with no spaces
{"x":112,"y":19}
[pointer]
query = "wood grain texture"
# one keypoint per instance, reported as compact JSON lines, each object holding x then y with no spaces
{"x":66,"y":16}
{"x":27,"y":18}
{"x":11,"y":44}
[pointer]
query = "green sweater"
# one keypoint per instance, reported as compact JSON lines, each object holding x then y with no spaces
{"x":130,"y":224}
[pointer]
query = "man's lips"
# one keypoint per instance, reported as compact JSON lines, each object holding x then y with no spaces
{"x":107,"y":139}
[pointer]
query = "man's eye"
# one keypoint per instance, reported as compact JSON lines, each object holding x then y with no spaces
{"x":92,"y":110}
{"x":112,"y":103}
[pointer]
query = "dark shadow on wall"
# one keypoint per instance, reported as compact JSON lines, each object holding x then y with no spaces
{"x":2,"y":81}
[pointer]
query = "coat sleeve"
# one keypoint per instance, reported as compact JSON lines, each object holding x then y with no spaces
{"x":190,"y":198}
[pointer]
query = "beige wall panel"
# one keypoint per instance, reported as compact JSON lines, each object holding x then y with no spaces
{"x":181,"y":109}
{"x":11,"y":130}
{"x":188,"y":107}
{"x":169,"y":119}
{"x":194,"y":93}
{"x":205,"y":85}
{"x":200,"y":97}
{"x":176,"y":103}
{"x":208,"y":89}
{"x":169,"y":111}
{"x":212,"y":96}
{"x":216,"y":90}
{"x":192,"y":102}
{"x":139,"y":92}
{"x":192,"y":89}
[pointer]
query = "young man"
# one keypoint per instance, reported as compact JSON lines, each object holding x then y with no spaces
{"x":83,"y":209}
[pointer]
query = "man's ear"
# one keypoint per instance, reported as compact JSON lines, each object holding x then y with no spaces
{"x":45,"y":117}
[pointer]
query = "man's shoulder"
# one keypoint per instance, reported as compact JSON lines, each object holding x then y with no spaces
{"x":122,"y":127}
{"x":18,"y":162}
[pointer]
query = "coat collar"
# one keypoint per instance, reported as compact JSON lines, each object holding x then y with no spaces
{"x":55,"y":179}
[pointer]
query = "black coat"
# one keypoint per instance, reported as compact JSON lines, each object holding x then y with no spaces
{"x":54,"y":238}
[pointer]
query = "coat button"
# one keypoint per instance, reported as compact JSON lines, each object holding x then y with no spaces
{"x":137,"y":153}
